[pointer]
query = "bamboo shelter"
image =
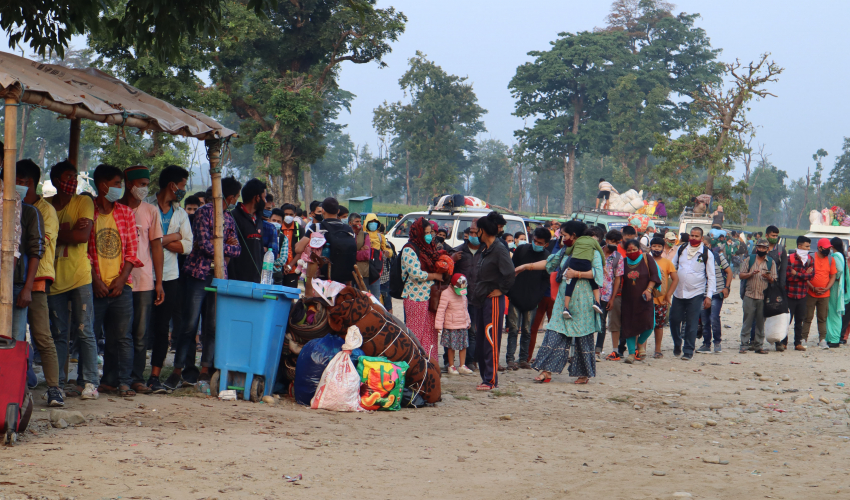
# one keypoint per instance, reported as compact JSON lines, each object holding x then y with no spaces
{"x":92,"y":95}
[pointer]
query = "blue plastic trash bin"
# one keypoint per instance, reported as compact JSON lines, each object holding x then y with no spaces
{"x":251,"y":322}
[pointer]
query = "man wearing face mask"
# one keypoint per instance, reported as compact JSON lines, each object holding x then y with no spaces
{"x":801,"y":270}
{"x":248,"y":215}
{"x":470,"y":257}
{"x":177,"y":241}
{"x":777,"y":252}
{"x":147,"y":280}
{"x":70,"y":299}
{"x":291,"y":230}
{"x":525,"y":295}
{"x":113,"y":252}
{"x":759,"y":270}
{"x":819,"y":290}
{"x":695,"y":266}
{"x":198,"y":274}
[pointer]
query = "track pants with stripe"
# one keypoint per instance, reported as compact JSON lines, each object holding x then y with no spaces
{"x":488,"y":339}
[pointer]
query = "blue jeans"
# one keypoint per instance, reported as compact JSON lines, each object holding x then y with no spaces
{"x":114,"y":315}
{"x":386,"y":299}
{"x":142,"y":306}
{"x":74,"y":307}
{"x":375,"y":289}
{"x":193,"y":301}
{"x":711,"y":321}
{"x":19,"y":315}
{"x":687,"y":311}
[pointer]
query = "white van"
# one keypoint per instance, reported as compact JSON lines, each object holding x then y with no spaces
{"x":454,"y":223}
{"x":816,"y":232}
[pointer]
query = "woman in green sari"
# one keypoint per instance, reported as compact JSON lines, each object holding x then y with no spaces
{"x":838,"y":295}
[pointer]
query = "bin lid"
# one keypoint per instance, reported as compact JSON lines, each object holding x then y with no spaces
{"x":249,"y":289}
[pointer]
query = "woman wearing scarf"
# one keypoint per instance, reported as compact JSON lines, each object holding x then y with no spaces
{"x":640,"y":278}
{"x":838,"y":297}
{"x":418,"y":271}
{"x":578,"y":331}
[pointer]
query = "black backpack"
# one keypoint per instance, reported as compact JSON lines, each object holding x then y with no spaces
{"x":396,"y":283}
{"x":376,"y":263}
{"x":343,"y":250}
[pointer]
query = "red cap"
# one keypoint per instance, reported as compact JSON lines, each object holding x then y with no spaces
{"x":824,"y":243}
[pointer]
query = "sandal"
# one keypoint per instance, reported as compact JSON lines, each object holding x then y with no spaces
{"x":124,"y":391}
{"x":106,"y":389}
{"x":613,"y":356}
{"x":73,"y":391}
{"x":543,"y":380}
{"x":582,"y":380}
{"x":658,"y":355}
{"x":484,"y":387}
{"x":639,"y":355}
{"x":762,"y":351}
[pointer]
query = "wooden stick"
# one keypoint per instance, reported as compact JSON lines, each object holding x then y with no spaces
{"x":74,"y":144}
{"x":7,"y":245}
{"x":214,"y":155}
{"x":358,"y":278}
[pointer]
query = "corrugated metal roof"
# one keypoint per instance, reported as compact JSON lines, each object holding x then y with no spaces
{"x":110,"y":99}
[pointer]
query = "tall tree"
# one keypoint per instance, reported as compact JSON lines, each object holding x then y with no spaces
{"x":437,"y":127}
{"x":817,"y":179}
{"x":839,"y":177}
{"x":565,"y":91}
{"x":726,"y":108}
{"x":768,"y":192}
{"x":278,"y":72}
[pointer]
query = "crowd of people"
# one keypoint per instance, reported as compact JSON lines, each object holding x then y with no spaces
{"x":104,"y":279}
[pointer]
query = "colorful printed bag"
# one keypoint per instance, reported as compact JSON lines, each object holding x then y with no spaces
{"x":381,"y":382}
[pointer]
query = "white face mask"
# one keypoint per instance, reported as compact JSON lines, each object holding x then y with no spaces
{"x":140,"y":193}
{"x":288,"y":219}
{"x":803,"y":255}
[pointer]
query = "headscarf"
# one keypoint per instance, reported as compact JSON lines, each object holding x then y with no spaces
{"x":428,"y":254}
{"x":377,"y":239}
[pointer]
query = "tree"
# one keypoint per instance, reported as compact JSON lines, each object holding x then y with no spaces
{"x":279,"y":73}
{"x":726,"y":109}
{"x":839,"y":178}
{"x":492,"y":172}
{"x":768,"y":191}
{"x":436,"y":129}
{"x":565,"y":91}
{"x":332,"y":167}
{"x":156,"y":26}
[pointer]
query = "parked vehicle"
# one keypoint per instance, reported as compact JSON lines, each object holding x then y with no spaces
{"x":454,"y":222}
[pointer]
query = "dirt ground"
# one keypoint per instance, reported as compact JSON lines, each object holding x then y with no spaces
{"x":777,"y":424}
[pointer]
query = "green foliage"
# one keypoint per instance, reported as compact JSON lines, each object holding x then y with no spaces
{"x":493,"y":175}
{"x":133,"y":148}
{"x":329,"y":173}
{"x":839,"y":178}
{"x":767,"y":185}
{"x":437,"y":127}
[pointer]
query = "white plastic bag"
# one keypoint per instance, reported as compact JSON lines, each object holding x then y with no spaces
{"x":776,"y":328}
{"x":629,"y":196}
{"x":816,"y":218}
{"x":615,"y":202}
{"x":339,"y":387}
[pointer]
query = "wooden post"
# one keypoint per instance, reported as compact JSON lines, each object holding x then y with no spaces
{"x":74,"y":144}
{"x":7,"y":244}
{"x":214,"y":156}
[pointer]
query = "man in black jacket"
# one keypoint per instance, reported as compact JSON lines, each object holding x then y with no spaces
{"x":470,"y":255}
{"x":248,"y":216}
{"x":495,"y":278}
{"x":528,"y":290}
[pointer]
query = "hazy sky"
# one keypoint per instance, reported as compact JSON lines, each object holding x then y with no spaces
{"x":487,"y":40}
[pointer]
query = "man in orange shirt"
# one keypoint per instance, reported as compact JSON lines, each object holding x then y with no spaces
{"x":819,"y":286}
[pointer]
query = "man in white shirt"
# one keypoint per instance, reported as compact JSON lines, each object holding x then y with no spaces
{"x":695,"y":267}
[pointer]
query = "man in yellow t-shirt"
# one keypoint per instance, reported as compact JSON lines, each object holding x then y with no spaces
{"x":72,"y":283}
{"x":28,"y":174}
{"x":669,"y":281}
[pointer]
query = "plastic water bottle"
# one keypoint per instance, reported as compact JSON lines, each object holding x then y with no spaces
{"x":268,"y":268}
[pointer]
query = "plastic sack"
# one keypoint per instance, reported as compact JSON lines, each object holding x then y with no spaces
{"x":339,"y":387}
{"x":615,"y":202}
{"x":639,"y":222}
{"x":815,"y":218}
{"x":312,"y":361}
{"x":381,"y":381}
{"x":629,"y":196}
{"x":776,"y":328}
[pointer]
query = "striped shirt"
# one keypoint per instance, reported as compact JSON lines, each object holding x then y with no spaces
{"x":757,"y":284}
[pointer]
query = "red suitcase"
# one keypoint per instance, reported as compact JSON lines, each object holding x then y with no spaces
{"x":15,"y":398}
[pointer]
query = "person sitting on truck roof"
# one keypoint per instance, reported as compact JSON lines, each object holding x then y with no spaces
{"x":660,"y":208}
{"x":717,"y":218}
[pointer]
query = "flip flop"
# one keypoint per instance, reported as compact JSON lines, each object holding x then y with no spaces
{"x":542,"y":380}
{"x":484,"y":387}
{"x":657,"y":355}
{"x":581,"y":380}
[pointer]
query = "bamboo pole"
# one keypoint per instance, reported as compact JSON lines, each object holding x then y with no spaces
{"x":74,"y":144}
{"x":214,"y":156}
{"x":7,"y":245}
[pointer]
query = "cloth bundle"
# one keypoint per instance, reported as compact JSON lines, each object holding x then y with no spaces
{"x":384,"y":335}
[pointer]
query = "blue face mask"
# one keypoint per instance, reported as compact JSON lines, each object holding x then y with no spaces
{"x":22,"y":191}
{"x":371,"y":226}
{"x":231,"y":207}
{"x":536,"y":247}
{"x":114,"y":194}
{"x":267,"y":213}
{"x":473,"y":240}
{"x":511,"y":245}
{"x":428,"y":238}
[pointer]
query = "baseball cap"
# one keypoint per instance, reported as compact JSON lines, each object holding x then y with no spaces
{"x":671,"y":236}
{"x":824,"y":243}
{"x":762,"y":242}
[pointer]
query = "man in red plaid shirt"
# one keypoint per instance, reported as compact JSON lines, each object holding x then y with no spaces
{"x":113,"y":245}
{"x":801,"y":269}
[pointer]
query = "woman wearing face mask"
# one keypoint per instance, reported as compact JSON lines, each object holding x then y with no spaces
{"x":638,"y":313}
{"x":838,"y":296}
{"x":418,"y":271}
{"x":379,"y":244}
{"x":571,"y":339}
